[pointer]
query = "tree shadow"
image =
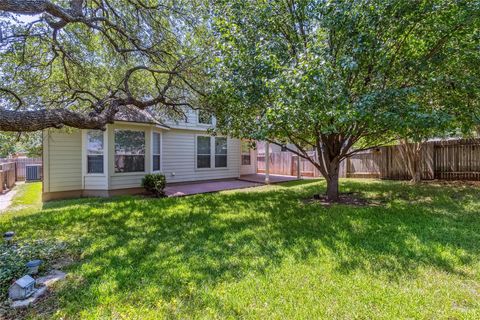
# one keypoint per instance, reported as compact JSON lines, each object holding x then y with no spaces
{"x":172,"y":247}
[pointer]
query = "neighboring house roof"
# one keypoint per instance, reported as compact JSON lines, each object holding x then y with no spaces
{"x":133,"y":114}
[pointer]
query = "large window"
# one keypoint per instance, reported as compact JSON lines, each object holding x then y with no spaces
{"x":206,"y":158}
{"x":220,"y":152}
{"x":203,"y":152}
{"x":129,"y":151}
{"x":246,"y":158}
{"x":95,"y":151}
{"x":205,"y":117}
{"x":156,"y":151}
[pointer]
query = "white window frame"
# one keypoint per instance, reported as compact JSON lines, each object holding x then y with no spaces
{"x":212,"y":124}
{"x":161,"y":151}
{"x":145,"y":132}
{"x":212,"y":153}
{"x":85,"y":154}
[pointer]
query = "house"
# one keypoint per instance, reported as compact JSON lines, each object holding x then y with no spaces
{"x":80,"y":163}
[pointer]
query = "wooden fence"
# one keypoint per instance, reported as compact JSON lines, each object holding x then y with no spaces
{"x":21,"y":164}
{"x":7,"y":176}
{"x":285,"y":163}
{"x":449,"y":160}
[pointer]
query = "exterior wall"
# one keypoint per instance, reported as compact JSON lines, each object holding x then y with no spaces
{"x":179,"y":158}
{"x":65,"y":161}
{"x":62,"y":158}
{"x":252,"y":168}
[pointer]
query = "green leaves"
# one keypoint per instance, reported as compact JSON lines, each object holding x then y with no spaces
{"x":359,"y":68}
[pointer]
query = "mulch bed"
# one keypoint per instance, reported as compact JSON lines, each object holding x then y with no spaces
{"x":352,"y":199}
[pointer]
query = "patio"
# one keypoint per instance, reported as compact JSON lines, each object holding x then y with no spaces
{"x":273,"y":178}
{"x":185,"y":189}
{"x":246,"y":181}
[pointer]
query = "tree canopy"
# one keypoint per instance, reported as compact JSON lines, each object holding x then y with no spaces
{"x":75,"y":62}
{"x":340,"y":76}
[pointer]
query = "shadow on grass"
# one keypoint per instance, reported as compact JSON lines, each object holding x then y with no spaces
{"x":169,"y":246}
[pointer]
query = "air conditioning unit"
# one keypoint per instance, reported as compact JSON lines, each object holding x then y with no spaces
{"x":34,"y":172}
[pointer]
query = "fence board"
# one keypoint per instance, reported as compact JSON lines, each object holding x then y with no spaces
{"x":7,"y":175}
{"x":21,"y":164}
{"x":450,"y":160}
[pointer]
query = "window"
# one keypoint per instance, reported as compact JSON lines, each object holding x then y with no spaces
{"x":220,"y":152}
{"x":95,"y":151}
{"x":203,"y":152}
{"x":129,"y":151}
{"x":204,"y":117}
{"x":205,"y":145}
{"x":246,"y":160}
{"x":156,"y":151}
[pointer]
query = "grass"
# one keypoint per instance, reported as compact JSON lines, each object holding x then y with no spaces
{"x":264,"y":253}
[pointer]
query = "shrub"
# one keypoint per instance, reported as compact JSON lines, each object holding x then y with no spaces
{"x":154,"y":183}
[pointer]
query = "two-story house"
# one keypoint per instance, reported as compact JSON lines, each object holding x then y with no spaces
{"x":79,"y":163}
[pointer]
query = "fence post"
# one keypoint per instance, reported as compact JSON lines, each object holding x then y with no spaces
{"x":267,"y":163}
{"x":299,"y":173}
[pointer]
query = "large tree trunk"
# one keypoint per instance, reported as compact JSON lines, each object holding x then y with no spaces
{"x":333,"y":184}
{"x":329,"y":165}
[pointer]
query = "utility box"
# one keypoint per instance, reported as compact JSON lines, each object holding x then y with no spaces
{"x":22,"y":288}
{"x":33,"y":172}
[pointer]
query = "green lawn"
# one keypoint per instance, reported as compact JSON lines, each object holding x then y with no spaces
{"x":264,"y":253}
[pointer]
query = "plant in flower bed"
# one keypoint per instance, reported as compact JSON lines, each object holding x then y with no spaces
{"x":154,"y":184}
{"x":13,"y":258}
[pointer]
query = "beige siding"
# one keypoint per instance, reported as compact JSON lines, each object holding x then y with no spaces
{"x":95,"y":182}
{"x":62,"y":160}
{"x":179,"y":158}
{"x":252,"y":168}
{"x":65,"y":160}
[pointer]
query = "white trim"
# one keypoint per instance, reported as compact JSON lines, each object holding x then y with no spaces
{"x":160,"y":150}
{"x":206,"y":125}
{"x":212,"y":153}
{"x":85,"y":154}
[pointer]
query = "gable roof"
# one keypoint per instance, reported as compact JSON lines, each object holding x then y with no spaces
{"x":133,"y":114}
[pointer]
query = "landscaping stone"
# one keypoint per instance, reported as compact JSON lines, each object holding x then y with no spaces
{"x":51,"y":278}
{"x":18,"y":304}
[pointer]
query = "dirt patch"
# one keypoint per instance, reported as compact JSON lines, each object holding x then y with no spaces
{"x":351,"y":199}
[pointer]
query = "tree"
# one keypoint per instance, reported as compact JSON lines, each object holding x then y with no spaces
{"x":14,"y":142}
{"x":76,"y":62}
{"x":334,"y":76}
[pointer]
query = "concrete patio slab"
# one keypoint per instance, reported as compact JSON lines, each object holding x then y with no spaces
{"x":178,"y":190}
{"x":260,"y":178}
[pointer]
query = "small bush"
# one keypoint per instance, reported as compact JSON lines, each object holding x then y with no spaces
{"x":154,"y":183}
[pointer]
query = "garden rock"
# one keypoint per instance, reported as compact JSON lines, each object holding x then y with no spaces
{"x":18,"y":304}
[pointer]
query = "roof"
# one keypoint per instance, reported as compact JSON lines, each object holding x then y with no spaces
{"x":134,"y":114}
{"x":24,"y":281}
